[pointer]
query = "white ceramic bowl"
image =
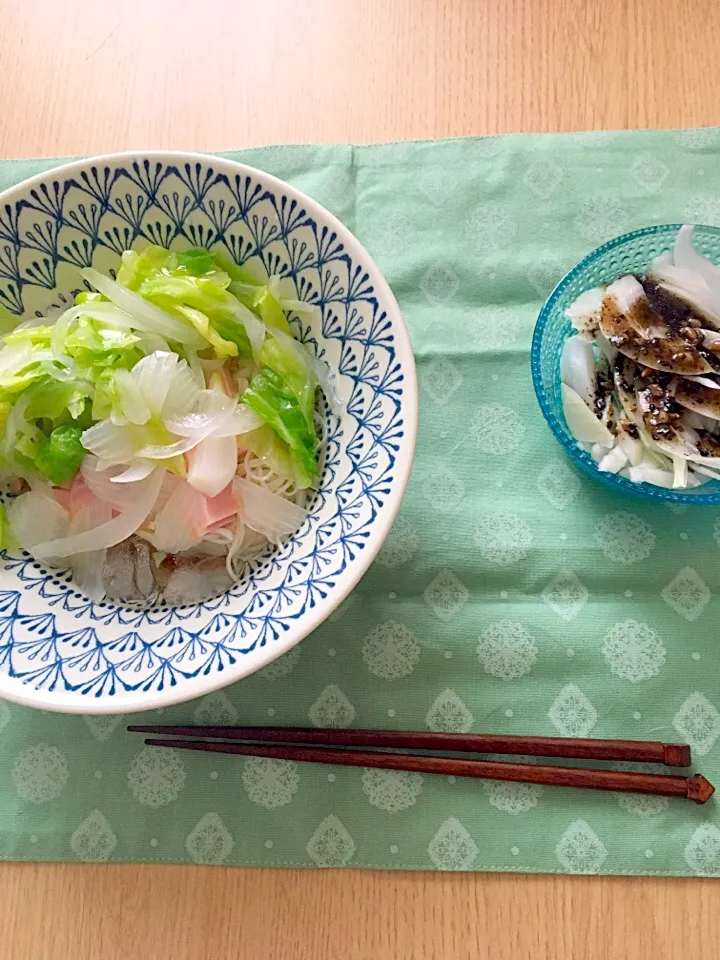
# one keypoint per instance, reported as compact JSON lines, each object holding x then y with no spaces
{"x":58,"y":650}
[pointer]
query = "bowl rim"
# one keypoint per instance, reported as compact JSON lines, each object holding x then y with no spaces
{"x":645,"y":491}
{"x":13,"y":689}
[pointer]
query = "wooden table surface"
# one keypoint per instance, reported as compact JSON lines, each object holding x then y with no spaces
{"x":82,"y":76}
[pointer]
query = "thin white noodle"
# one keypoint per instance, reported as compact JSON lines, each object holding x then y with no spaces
{"x":218,"y":536}
{"x":247,"y":544}
{"x":255,"y":469}
{"x":235,"y":548}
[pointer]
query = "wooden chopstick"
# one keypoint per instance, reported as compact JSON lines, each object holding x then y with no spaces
{"x":695,"y":788}
{"x":637,"y":751}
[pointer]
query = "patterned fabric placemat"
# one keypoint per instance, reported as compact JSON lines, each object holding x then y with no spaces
{"x":512,"y":595}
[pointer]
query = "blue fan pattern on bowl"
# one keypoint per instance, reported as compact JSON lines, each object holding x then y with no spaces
{"x":630,"y":253}
{"x":52,"y":639}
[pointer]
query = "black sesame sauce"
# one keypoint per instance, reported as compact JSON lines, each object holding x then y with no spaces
{"x":671,"y":353}
{"x":661,"y":348}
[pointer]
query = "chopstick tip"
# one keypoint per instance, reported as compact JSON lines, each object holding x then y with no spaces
{"x":699,"y":789}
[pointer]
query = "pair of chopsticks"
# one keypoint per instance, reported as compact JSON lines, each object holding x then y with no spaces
{"x":368,"y":748}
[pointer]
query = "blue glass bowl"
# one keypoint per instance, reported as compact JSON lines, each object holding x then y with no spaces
{"x":630,"y":253}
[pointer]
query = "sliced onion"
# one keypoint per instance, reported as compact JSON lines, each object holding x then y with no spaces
{"x":709,"y":337}
{"x":605,"y":347}
{"x":243,"y":420}
{"x":632,"y":448}
{"x":254,"y":327}
{"x":581,"y":421}
{"x":646,"y":474}
{"x":33,"y":516}
{"x":170,"y":483}
{"x":112,"y":532}
{"x":138,"y":471}
{"x":705,"y":382}
{"x":109,"y":442}
{"x":687,"y":258}
{"x":613,"y":461}
{"x":166,"y":382}
{"x":327,"y":381}
{"x":267,"y":513}
{"x":16,"y":357}
{"x":694,"y":420}
{"x":102,"y":483}
{"x":237,"y":419}
{"x":17,"y":423}
{"x":690,"y":287}
{"x":626,"y":290}
{"x":713,"y":462}
{"x":110,"y":314}
{"x":57,"y":338}
{"x":152,"y":342}
{"x":217,"y":415}
{"x":288,"y":304}
{"x":159,"y":383}
{"x":680,"y":472}
{"x":133,"y":405}
{"x":148,"y":316}
{"x":665,"y":269}
{"x":212,"y":464}
{"x":164,"y":451}
{"x":210,"y":366}
{"x":584,"y":312}
{"x":578,"y":368}
{"x":98,"y":310}
{"x":654,"y":457}
{"x":195,"y":364}
{"x":713,"y":474}
{"x":273,"y":285}
{"x":181,"y":522}
{"x":69,"y":371}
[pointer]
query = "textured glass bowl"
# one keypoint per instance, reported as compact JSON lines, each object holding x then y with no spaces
{"x":630,"y":253}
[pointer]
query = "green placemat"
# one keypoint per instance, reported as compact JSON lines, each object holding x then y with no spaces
{"x":512,"y":595}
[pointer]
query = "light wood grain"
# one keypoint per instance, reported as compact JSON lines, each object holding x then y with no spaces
{"x":84,"y":76}
{"x":81,"y":76}
{"x":173,"y":913}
